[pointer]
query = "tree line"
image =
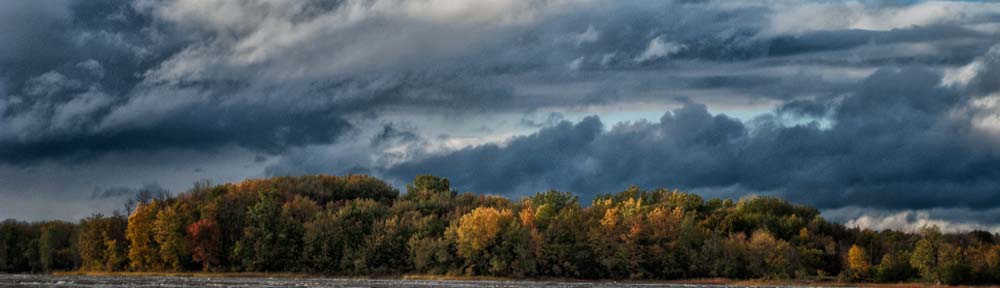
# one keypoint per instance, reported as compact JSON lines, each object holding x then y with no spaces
{"x":360,"y":225}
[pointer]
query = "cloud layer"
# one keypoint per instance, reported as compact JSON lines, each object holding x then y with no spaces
{"x":900,"y":140}
{"x":887,"y":107}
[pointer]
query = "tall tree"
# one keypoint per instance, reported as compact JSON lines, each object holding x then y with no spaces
{"x":272,"y":240}
{"x":475,"y":233}
{"x":144,"y":251}
{"x":55,"y":246}
{"x":169,"y":233}
{"x":102,"y":243}
{"x":926,"y":254}
{"x":205,"y":240}
{"x":858,"y":264}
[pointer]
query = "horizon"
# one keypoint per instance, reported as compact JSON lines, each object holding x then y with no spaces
{"x":881,"y":115}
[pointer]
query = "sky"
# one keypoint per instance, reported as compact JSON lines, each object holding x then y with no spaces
{"x":882,"y":114}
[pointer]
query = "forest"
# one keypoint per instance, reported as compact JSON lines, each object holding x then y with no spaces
{"x":357,"y":225}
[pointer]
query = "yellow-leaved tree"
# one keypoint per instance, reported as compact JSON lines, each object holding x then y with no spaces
{"x":143,"y":252}
{"x":858,"y":264}
{"x":476,"y":232}
{"x":477,"y":229}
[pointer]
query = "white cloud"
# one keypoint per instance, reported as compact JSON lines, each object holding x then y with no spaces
{"x":93,"y":67}
{"x":659,"y":48}
{"x":795,"y":17}
{"x":49,"y":83}
{"x":72,"y":116}
{"x":589,"y":36}
{"x":960,"y":76}
{"x":575,"y":64}
{"x":912,"y":221}
{"x":150,"y":107}
{"x":607,"y":58}
{"x":288,"y":40}
{"x":984,"y":112}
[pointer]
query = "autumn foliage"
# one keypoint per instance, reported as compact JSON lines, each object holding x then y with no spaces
{"x":359,"y":225}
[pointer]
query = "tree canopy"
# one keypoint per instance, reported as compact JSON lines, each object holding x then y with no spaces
{"x":360,"y":225}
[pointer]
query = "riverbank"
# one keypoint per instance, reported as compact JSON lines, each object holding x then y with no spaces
{"x":432,"y":277}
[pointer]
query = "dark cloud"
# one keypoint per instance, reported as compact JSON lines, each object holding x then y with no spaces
{"x":193,"y":81}
{"x":551,"y":119}
{"x":804,"y":108}
{"x":894,"y":142}
{"x":200,"y":125}
{"x":402,"y":88}
{"x":820,"y":41}
{"x":68,"y":84}
{"x":391,"y":134}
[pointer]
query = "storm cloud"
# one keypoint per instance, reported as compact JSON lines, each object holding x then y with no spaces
{"x":900,"y":140}
{"x":860,"y":106}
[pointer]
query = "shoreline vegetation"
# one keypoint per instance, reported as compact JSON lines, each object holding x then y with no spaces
{"x":434,"y":277}
{"x":360,"y":227}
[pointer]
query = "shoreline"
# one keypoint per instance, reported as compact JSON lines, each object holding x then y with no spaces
{"x":432,"y":277}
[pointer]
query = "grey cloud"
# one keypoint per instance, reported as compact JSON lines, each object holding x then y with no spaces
{"x":550,"y":119}
{"x":893,"y":143}
{"x":391,"y":134}
{"x":121,"y":192}
{"x":182,"y":74}
{"x":195,"y":127}
{"x":804,"y":109}
{"x":299,"y":84}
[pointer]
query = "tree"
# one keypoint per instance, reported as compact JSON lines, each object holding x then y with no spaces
{"x":771,"y":257}
{"x":300,"y":208}
{"x":858,"y":265}
{"x":144,"y":252}
{"x":427,"y":183}
{"x":431,"y":255}
{"x":15,"y":240}
{"x":205,"y":239}
{"x":727,"y":257}
{"x":332,"y":241}
{"x":55,"y":246}
{"x":564,"y":249}
{"x":272,"y":240}
{"x":169,"y":228}
{"x":548,"y":204}
{"x":380,"y":253}
{"x":102,"y":243}
{"x":617,"y":230}
{"x":355,"y":225}
{"x":926,"y":254}
{"x":477,"y":231}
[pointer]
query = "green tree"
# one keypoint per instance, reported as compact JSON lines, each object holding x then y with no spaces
{"x":102,"y":243}
{"x":926,"y":254}
{"x":333,"y":240}
{"x":55,"y":246}
{"x":169,"y":233}
{"x":18,"y":245}
{"x":427,"y":183}
{"x":272,"y":240}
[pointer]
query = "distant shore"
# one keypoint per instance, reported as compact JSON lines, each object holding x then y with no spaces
{"x":432,"y":277}
{"x":360,"y":225}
